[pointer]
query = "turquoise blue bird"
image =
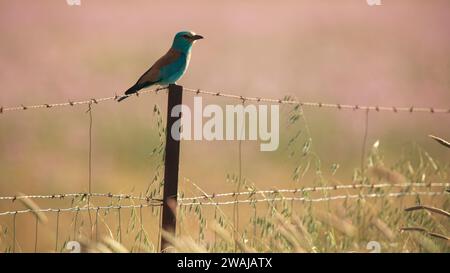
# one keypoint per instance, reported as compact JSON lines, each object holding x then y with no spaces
{"x":170,"y":67}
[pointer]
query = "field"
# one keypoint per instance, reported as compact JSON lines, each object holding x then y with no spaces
{"x":343,"y":52}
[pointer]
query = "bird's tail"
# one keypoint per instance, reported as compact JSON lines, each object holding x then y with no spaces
{"x":121,"y":98}
{"x":130,"y":91}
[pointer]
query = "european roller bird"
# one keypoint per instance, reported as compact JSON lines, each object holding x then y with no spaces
{"x":170,"y":67}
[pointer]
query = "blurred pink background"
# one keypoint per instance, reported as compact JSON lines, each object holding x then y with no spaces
{"x":327,"y":51}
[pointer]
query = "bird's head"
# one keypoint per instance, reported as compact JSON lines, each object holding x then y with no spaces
{"x":184,"y":40}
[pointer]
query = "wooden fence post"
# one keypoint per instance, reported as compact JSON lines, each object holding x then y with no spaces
{"x":171,"y":166}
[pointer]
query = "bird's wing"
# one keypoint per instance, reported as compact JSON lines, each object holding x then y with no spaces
{"x":153,"y":74}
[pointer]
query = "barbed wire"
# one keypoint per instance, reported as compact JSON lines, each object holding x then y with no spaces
{"x":76,"y":103}
{"x":250,"y":201}
{"x":194,"y":200}
{"x":307,"y":199}
{"x":76,"y":209}
{"x":314,"y":189}
{"x":80,"y":194}
{"x":219,"y":195}
{"x":338,"y":106}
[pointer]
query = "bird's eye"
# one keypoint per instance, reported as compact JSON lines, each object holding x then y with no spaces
{"x":186,"y":36}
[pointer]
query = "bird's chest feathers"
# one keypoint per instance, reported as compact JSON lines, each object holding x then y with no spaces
{"x":188,"y":59}
{"x":183,"y":62}
{"x":172,"y":72}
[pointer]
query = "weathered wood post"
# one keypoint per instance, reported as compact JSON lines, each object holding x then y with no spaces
{"x":171,"y":166}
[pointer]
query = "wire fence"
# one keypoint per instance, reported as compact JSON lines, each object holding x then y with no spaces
{"x":75,"y":209}
{"x":251,"y":197}
{"x":377,"y":108}
{"x":313,"y":200}
{"x":217,"y":199}
{"x":228,"y":194}
{"x":315,"y":189}
{"x":80,"y":194}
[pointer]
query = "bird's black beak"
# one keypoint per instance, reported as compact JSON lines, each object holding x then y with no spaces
{"x":197,"y":37}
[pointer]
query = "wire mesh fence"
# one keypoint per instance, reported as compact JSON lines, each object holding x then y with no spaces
{"x":407,"y":189}
{"x":326,"y":194}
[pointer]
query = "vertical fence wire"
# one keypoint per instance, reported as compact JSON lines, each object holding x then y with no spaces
{"x":141,"y":222}
{"x":364,"y":142}
{"x":120,"y":225}
{"x":90,"y":168}
{"x":36,"y":234}
{"x":236,"y":206}
{"x":57,"y":231}
{"x":96,"y":224}
{"x":14,"y":233}
{"x":75,"y":225}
